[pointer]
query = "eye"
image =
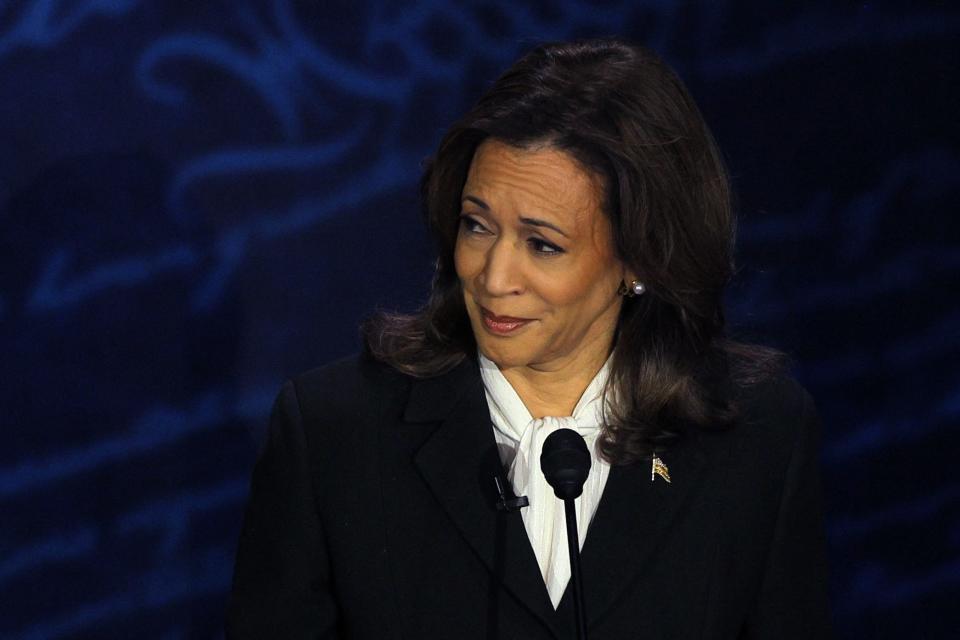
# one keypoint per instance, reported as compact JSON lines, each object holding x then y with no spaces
{"x":472,"y":225}
{"x":543,"y":247}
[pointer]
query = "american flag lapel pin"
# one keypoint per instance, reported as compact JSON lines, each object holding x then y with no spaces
{"x":657,"y":468}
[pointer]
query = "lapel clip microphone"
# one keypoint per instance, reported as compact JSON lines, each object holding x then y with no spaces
{"x":508,"y":504}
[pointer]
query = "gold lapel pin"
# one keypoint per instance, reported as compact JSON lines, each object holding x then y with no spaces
{"x":657,"y":468}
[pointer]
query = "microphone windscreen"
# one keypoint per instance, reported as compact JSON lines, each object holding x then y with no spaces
{"x":565,"y":462}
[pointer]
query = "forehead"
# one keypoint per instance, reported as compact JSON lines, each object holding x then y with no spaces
{"x":541,"y":180}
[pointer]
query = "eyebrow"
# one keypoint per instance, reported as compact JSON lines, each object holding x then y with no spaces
{"x":533,"y":222}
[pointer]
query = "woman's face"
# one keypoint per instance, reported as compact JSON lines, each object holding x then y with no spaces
{"x":535,"y":256}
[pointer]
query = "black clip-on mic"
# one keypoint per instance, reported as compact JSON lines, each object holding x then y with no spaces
{"x":508,"y":503}
{"x":565,"y":462}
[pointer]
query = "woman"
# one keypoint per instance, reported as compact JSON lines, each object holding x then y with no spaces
{"x":582,"y":217}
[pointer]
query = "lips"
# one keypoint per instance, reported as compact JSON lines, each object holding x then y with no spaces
{"x":502,"y":325}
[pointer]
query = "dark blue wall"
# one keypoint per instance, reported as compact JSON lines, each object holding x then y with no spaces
{"x":190,"y":192}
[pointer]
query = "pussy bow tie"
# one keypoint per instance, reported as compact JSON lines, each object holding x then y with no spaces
{"x":544,"y":518}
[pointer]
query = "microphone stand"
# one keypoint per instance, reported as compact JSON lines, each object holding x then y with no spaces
{"x":565,"y":462}
{"x":573,"y":544}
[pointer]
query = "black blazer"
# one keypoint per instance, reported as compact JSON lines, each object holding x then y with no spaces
{"x":372,"y":515}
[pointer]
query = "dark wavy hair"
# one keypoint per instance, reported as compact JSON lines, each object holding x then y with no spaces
{"x":624,"y":116}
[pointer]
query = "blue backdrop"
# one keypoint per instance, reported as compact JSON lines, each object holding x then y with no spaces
{"x":191,"y":191}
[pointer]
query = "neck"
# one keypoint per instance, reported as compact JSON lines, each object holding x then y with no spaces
{"x":553,"y":388}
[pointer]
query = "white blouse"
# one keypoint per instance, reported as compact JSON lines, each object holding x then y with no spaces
{"x":520,"y":440}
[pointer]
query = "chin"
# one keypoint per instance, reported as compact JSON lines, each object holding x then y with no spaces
{"x":503,"y":355}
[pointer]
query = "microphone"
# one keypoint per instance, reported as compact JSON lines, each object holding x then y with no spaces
{"x":565,"y":462}
{"x":508,"y":501}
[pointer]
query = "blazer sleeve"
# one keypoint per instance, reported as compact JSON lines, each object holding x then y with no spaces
{"x":792,"y":602}
{"x":281,"y":583}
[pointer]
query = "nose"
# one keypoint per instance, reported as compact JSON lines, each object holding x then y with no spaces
{"x":501,"y":275}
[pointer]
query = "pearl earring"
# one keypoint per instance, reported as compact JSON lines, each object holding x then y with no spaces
{"x":636,"y":288}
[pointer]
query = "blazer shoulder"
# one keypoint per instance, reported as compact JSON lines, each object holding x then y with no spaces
{"x":348,"y":388}
{"x":779,"y":411}
{"x":778,"y":395}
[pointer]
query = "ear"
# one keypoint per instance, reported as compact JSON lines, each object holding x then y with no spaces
{"x":629,"y":276}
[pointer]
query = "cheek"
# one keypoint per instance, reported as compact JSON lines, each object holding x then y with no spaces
{"x":579,"y":299}
{"x":466,"y":261}
{"x":578,"y":289}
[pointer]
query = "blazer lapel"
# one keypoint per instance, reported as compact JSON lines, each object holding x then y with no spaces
{"x":459,"y":462}
{"x":633,"y":516}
